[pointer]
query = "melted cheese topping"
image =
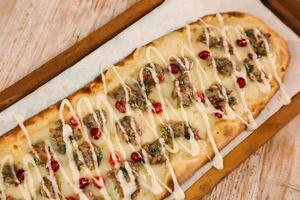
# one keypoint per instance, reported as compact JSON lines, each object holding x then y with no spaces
{"x":151,"y":178}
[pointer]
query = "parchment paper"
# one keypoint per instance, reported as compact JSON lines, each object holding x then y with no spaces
{"x":171,"y":15}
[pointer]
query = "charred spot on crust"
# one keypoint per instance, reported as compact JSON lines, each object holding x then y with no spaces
{"x":154,"y":153}
{"x":136,"y":100}
{"x":234,"y":14}
{"x":129,"y":129}
{"x":257,"y":42}
{"x":252,"y":71}
{"x":216,"y":97}
{"x":183,"y":90}
{"x":129,"y":57}
{"x":178,"y":129}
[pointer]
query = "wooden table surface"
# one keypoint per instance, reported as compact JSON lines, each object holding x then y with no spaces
{"x":32,"y":32}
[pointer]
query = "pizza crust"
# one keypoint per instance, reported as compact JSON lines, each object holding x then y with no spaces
{"x":14,"y":140}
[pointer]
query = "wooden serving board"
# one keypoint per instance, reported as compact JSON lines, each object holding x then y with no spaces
{"x":72,"y":55}
{"x":287,"y":10}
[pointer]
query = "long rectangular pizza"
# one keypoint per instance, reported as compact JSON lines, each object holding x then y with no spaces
{"x":147,"y":124}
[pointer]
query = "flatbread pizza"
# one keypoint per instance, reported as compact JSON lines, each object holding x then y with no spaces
{"x":145,"y":125}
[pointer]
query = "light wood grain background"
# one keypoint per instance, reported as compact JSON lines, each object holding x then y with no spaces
{"x":32,"y":32}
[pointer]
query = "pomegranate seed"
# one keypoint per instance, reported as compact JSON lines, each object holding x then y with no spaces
{"x":83,"y":182}
{"x":156,"y":108}
{"x":200,"y":96}
{"x":20,"y":175}
{"x":218,"y":115}
{"x":136,"y":157}
{"x":204,"y":54}
{"x":95,"y":133}
{"x":146,"y":77}
{"x":120,"y":105}
{"x":98,"y":182}
{"x":174,"y":68}
{"x":114,"y":159}
{"x":161,"y":78}
{"x":74,"y":122}
{"x":54,"y":165}
{"x":71,"y":198}
{"x":241,"y":81}
{"x":241,"y":42}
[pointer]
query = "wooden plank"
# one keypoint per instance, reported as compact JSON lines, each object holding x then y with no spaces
{"x":271,"y":172}
{"x":259,"y":137}
{"x":287,"y":11}
{"x":33,"y":32}
{"x":72,"y":55}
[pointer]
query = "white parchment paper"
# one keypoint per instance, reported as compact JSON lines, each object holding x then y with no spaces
{"x":171,"y":15}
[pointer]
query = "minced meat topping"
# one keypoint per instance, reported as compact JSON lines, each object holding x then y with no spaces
{"x":183,"y":90}
{"x":216,"y":97}
{"x":129,"y":129}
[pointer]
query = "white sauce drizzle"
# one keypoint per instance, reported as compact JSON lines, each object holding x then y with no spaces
{"x":128,"y":187}
{"x":271,"y":57}
{"x":27,"y":188}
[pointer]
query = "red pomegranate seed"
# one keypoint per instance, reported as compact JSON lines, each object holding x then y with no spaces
{"x":218,"y":115}
{"x":71,"y":198}
{"x":114,"y":159}
{"x":204,"y":54}
{"x":241,"y":81}
{"x":161,"y":78}
{"x":54,"y":165}
{"x":20,"y":175}
{"x":136,"y":157}
{"x":241,"y":42}
{"x":156,"y":107}
{"x":174,"y":68}
{"x":83,"y":182}
{"x":146,"y":77}
{"x":98,"y":182}
{"x":200,"y":96}
{"x":120,"y":105}
{"x":95,"y":133}
{"x":74,"y":122}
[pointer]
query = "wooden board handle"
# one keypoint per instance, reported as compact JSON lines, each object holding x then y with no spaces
{"x":287,"y":11}
{"x":75,"y":53}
